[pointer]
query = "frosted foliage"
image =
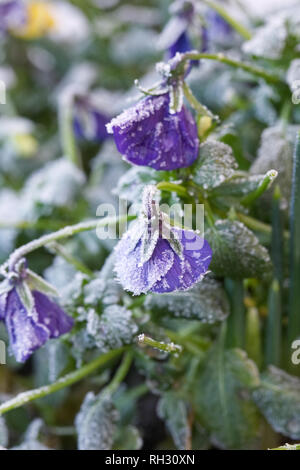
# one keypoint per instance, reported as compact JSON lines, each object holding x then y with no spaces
{"x":263,"y":107}
{"x":237,"y":252}
{"x":108,"y":292}
{"x":215,"y":165}
{"x":96,"y":422}
{"x":222,"y":398}
{"x":278,"y":398}
{"x":114,"y":328}
{"x":293,"y":75}
{"x":206,"y":302}
{"x":131,"y":184}
{"x":173,"y":411}
{"x":56,"y":184}
{"x":60,"y":273}
{"x":138,"y":41}
{"x":31,"y":437}
{"x":269,"y":41}
{"x":276,"y":151}
{"x":3,"y":433}
{"x":239,"y":185}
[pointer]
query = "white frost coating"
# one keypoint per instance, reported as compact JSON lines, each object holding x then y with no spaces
{"x":136,"y":114}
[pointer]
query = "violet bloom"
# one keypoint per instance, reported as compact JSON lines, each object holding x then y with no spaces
{"x":148,"y":134}
{"x":31,"y":317}
{"x":154,"y":256}
{"x":12,"y":14}
{"x":89,"y":122}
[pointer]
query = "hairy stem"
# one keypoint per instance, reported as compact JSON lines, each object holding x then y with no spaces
{"x":220,"y":57}
{"x":65,"y":232}
{"x":66,"y":381}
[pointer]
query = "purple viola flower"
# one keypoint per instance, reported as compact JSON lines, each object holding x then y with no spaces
{"x":31,"y":317}
{"x":217,"y":29}
{"x":12,"y":14}
{"x":149,"y":134}
{"x":157,"y":257}
{"x":89,"y":122}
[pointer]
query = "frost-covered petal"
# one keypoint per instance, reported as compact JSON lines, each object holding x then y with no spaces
{"x":24,"y":334}
{"x":51,"y":315}
{"x":136,"y":276}
{"x":149,"y":135}
{"x":188,"y":269}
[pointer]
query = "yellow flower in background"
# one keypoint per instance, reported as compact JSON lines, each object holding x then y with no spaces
{"x":40,"y":20}
{"x":25,"y":144}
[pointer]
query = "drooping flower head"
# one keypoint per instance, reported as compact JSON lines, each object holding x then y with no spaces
{"x":89,"y":121}
{"x":157,"y":257}
{"x":29,"y":313}
{"x":185,"y":16}
{"x":12,"y":14}
{"x":150,"y":134}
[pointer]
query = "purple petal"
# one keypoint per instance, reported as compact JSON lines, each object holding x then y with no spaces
{"x":93,"y":127}
{"x":138,"y":277}
{"x":51,"y":315}
{"x":3,"y":300}
{"x":191,"y":268}
{"x":182,"y":44}
{"x":149,"y":135}
{"x":12,"y":14}
{"x":25,"y":336}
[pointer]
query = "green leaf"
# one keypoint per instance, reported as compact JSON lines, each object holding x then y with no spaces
{"x":36,"y":282}
{"x":128,"y":438}
{"x":237,"y":252}
{"x":215,"y":165}
{"x":206,"y":302}
{"x":26,"y":297}
{"x":173,"y":410}
{"x":132,"y":183}
{"x":96,"y":422}
{"x":222,"y":397}
{"x":278,"y":398}
{"x":276,"y":151}
{"x":113,"y":329}
{"x":239,"y":186}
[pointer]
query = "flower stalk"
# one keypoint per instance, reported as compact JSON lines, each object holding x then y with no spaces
{"x":69,"y":379}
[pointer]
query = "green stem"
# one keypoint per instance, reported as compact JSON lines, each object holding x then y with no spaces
{"x":236,"y":320}
{"x":172,"y":187}
{"x":273,"y":328}
{"x":121,"y":373}
{"x":242,"y":30}
{"x":68,"y":139}
{"x":66,"y":381}
{"x":167,"y":347}
{"x":257,"y":225}
{"x":60,"y":234}
{"x":264,"y":185}
{"x":198,"y":107}
{"x":253,"y":336}
{"x":277,"y":244}
{"x":220,"y":57}
{"x":294,"y":299}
